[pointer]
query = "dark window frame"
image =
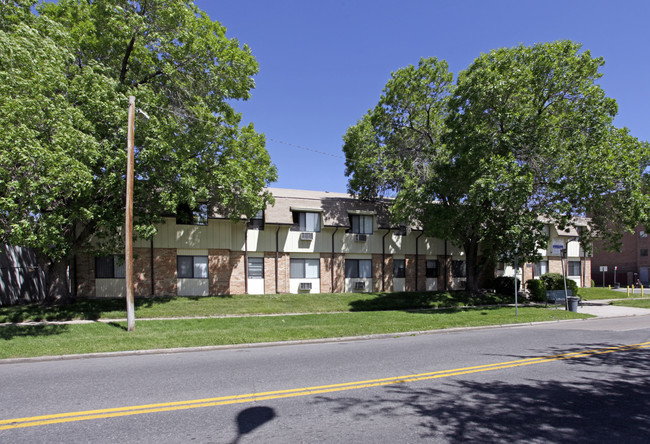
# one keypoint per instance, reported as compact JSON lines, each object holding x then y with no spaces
{"x":360,"y":227}
{"x":257,"y":222}
{"x":255,"y":275}
{"x":114,"y":265}
{"x":179,"y":275}
{"x":571,"y":265}
{"x":355,"y":269}
{"x":304,"y":268}
{"x":185,"y":215}
{"x":431,"y":274}
{"x":458,"y":269}
{"x":399,"y":268}
{"x":298,"y":226}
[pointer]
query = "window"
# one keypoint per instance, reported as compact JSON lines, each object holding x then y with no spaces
{"x":433,"y":268}
{"x":573,"y":268}
{"x":257,"y":221}
{"x":305,"y":269}
{"x":193,"y":267}
{"x":458,"y":269}
{"x":358,"y":268}
{"x":643,"y":234}
{"x":110,"y":267}
{"x":305,"y":221}
{"x":186,"y":215}
{"x":360,"y":224}
{"x":541,"y":268}
{"x":399,"y":268}
{"x":501,"y":266}
{"x":255,"y":268}
{"x":644,"y":252}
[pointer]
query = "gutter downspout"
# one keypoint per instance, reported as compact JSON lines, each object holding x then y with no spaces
{"x":417,"y":259}
{"x":245,"y":259}
{"x":383,"y":260}
{"x":277,"y":254}
{"x":332,"y":272}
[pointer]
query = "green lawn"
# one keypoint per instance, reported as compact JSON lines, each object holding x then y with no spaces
{"x":640,"y":303}
{"x":45,"y":340}
{"x":595,"y":293}
{"x":93,"y":309}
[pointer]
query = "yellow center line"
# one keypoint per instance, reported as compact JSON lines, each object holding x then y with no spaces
{"x":32,"y":421}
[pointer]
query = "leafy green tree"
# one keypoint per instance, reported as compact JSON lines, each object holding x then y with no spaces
{"x":65,"y":78}
{"x":524,"y":137}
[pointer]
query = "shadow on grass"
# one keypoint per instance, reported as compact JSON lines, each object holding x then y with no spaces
{"x":8,"y":332}
{"x":427,"y":300}
{"x":87,"y":309}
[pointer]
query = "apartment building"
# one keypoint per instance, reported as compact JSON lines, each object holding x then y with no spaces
{"x":627,"y":266}
{"x":312,"y":242}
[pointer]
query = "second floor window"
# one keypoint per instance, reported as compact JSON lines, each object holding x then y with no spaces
{"x":306,"y":221}
{"x":257,"y":221}
{"x":361,"y":224}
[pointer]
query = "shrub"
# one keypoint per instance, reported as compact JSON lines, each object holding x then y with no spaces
{"x":555,"y":281}
{"x":536,"y":290}
{"x":504,"y":285}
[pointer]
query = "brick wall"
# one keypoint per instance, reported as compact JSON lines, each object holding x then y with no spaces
{"x":339,"y":273}
{"x":422,"y":273}
{"x":269,"y":272}
{"x":142,"y":272}
{"x":219,"y":271}
{"x":410,"y":272}
{"x":164,"y":271}
{"x":85,"y":275}
{"x":237,"y":276}
{"x":376,"y":272}
{"x":325,"y":273}
{"x":444,"y":280}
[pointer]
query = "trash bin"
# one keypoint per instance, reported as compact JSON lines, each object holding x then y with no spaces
{"x":617,"y":285}
{"x":573,"y":303}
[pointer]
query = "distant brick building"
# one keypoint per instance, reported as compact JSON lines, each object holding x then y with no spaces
{"x":627,"y":266}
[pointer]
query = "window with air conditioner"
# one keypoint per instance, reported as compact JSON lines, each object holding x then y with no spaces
{"x":304,"y":268}
{"x":360,"y":224}
{"x":306,"y":221}
{"x":305,"y":286}
{"x":306,"y":236}
{"x":359,"y":285}
{"x":358,"y":268}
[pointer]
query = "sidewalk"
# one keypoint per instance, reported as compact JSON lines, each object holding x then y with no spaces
{"x":602,"y":309}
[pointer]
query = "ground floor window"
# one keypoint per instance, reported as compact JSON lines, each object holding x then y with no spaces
{"x":458,"y":269}
{"x":255,"y":268}
{"x":541,"y":268}
{"x":358,"y":268}
{"x":573,"y":268}
{"x":193,"y":267}
{"x":305,"y":268}
{"x":432,"y":268}
{"x":110,"y":267}
{"x":399,"y":268}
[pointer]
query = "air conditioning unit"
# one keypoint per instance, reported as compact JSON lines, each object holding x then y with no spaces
{"x":306,"y":236}
{"x":361,"y":237}
{"x":359,"y":285}
{"x":305,"y":285}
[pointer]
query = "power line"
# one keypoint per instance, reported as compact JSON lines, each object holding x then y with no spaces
{"x":323,"y":153}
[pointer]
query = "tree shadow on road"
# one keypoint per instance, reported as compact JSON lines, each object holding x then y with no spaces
{"x":610,"y":403}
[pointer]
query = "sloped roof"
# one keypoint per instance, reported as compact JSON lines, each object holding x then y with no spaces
{"x":335,"y":207}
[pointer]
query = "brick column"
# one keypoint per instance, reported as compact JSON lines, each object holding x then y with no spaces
{"x":269,"y":272}
{"x":164,"y":272}
{"x":142,"y":272}
{"x":339,"y":272}
{"x":586,"y":263}
{"x":85,"y":276}
{"x":445,"y":263}
{"x":238,"y":274}
{"x":219,"y":271}
{"x":284,"y":272}
{"x":422,"y":273}
{"x":410,"y":272}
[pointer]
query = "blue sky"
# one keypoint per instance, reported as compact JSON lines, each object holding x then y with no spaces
{"x":323,"y":64}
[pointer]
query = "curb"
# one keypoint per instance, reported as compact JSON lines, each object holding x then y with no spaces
{"x":162,"y":351}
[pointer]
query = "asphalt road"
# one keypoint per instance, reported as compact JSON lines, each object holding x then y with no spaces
{"x":579,"y":381}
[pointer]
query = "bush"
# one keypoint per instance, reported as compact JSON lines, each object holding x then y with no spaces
{"x":536,"y":290}
{"x":504,"y":285}
{"x":555,"y":281}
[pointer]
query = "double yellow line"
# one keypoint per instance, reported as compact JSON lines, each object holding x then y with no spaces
{"x":32,"y":421}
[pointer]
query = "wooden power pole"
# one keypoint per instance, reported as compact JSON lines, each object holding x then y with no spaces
{"x":128,"y":234}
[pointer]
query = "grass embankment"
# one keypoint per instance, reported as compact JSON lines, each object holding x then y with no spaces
{"x":365,"y":314}
{"x":596,"y":293}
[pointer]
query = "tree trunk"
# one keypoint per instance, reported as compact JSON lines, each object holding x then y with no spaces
{"x":472,"y":266}
{"x":57,"y":280}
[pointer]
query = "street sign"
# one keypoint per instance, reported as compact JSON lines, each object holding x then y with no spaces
{"x":603,"y":268}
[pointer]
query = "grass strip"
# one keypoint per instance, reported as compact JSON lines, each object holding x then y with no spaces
{"x":48,"y":340}
{"x":164,"y":307}
{"x":638,"y":303}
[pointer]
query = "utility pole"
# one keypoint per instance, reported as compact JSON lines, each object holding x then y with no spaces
{"x":128,"y":233}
